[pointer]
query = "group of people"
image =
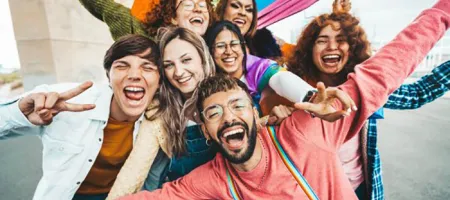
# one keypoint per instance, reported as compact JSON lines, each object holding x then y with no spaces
{"x":202,"y":105}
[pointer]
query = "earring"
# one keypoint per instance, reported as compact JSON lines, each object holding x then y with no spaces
{"x":208,"y":142}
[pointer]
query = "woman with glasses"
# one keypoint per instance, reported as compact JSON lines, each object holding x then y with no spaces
{"x":227,"y":46}
{"x":195,"y":15}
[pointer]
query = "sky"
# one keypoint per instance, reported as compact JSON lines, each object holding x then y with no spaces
{"x":382,"y":20}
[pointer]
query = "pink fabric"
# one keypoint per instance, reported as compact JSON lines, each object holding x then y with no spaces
{"x":281,"y":9}
{"x":350,"y":156}
{"x":313,"y":144}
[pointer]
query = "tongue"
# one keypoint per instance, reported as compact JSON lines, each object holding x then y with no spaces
{"x":234,"y":143}
{"x":134,"y":95}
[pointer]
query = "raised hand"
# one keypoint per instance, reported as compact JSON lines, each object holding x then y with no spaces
{"x":322,"y":104}
{"x":40,"y":108}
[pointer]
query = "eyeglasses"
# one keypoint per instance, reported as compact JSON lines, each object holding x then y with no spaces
{"x":237,"y":106}
{"x":234,"y":45}
{"x":189,"y":5}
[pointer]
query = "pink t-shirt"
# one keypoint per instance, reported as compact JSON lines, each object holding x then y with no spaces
{"x":311,"y":143}
{"x":350,"y":156}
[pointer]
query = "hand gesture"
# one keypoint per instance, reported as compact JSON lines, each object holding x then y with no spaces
{"x":322,"y":104}
{"x":40,"y":108}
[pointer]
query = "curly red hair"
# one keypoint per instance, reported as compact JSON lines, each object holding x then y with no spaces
{"x":301,"y":61}
{"x":163,"y":13}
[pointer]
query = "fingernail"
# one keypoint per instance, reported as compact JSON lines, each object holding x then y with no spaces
{"x":355,"y":108}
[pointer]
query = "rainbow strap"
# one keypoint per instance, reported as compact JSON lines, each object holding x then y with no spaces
{"x":291,"y":167}
{"x":289,"y":164}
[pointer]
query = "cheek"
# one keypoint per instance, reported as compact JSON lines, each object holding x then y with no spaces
{"x":229,"y":12}
{"x":169,"y":74}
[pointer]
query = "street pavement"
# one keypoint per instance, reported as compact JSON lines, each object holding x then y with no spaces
{"x":414,"y":147}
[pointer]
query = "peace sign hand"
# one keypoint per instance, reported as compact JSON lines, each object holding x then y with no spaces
{"x":40,"y":108}
{"x":322,"y":104}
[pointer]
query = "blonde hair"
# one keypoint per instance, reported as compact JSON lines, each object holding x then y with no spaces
{"x":172,"y":107}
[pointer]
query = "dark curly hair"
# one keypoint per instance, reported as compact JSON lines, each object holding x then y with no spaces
{"x":163,"y":13}
{"x":301,"y":61}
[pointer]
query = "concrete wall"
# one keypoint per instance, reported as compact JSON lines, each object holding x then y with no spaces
{"x":59,"y":41}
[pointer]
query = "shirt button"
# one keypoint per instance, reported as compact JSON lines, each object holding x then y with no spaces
{"x":99,"y":139}
{"x":61,"y":149}
{"x":90,"y":160}
{"x":78,"y":183}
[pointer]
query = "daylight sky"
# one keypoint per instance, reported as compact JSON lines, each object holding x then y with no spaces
{"x":382,"y":20}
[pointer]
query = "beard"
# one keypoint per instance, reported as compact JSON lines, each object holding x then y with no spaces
{"x":239,"y":157}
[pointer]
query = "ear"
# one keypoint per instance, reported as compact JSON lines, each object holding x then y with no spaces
{"x":205,"y":131}
{"x":174,"y":22}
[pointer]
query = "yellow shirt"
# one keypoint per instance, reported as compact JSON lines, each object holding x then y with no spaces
{"x":117,"y":145}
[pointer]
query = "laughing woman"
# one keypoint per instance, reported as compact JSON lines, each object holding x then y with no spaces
{"x":186,"y":62}
{"x":195,"y":15}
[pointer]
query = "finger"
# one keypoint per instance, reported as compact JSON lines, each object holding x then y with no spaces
{"x":321,"y":89}
{"x":272,"y":120}
{"x":45,"y":115}
{"x":51,"y":99}
{"x":77,"y":107}
{"x":346,"y":101}
{"x":287,"y":110}
{"x":264,"y":120}
{"x":311,"y":107}
{"x":39,"y":101}
{"x":332,"y":117}
{"x":75,"y":91}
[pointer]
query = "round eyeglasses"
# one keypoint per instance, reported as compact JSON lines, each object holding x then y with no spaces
{"x":189,"y":5}
{"x":237,"y":106}
{"x":234,"y":45}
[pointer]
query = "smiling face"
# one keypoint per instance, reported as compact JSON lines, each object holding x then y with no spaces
{"x":193,"y":15}
{"x":240,"y":12}
{"x":182,"y":66}
{"x":234,"y":131}
{"x":331,"y":50}
{"x":228,"y":53}
{"x":134,"y":81}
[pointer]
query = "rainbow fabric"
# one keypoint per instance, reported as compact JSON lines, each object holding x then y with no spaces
{"x":289,"y":164}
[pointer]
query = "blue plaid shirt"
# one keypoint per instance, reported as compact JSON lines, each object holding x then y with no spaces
{"x":408,"y":96}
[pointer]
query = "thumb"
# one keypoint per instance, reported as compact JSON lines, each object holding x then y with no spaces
{"x":272,"y":120}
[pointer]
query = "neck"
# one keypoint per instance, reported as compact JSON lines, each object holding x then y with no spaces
{"x":331,"y":80}
{"x":253,"y":161}
{"x":238,"y":74}
{"x":117,"y":113}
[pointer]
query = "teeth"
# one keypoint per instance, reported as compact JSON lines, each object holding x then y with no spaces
{"x":184,"y":79}
{"x":233,"y":132}
{"x":331,"y":57}
{"x":240,"y":21}
{"x":229,"y":59}
{"x":196,"y":19}
{"x":134,"y":89}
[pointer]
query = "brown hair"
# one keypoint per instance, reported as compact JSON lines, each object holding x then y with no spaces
{"x":173,"y":107}
{"x":131,"y":45}
{"x":301,"y":61}
{"x":163,"y":13}
{"x":220,"y":10}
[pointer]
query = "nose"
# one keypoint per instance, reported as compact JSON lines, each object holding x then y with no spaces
{"x":332,"y":45}
{"x":228,"y":116}
{"x":228,"y":50}
{"x":197,"y":8}
{"x":178,"y":71}
{"x":241,"y":11}
{"x":134,"y":73}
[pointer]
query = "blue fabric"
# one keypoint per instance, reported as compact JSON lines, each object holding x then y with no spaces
{"x":408,"y":96}
{"x":198,"y":153}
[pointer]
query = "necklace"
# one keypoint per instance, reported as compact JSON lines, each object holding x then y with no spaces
{"x":266,"y":160}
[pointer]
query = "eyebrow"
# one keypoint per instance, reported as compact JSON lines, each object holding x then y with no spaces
{"x":238,"y":2}
{"x":120,"y":62}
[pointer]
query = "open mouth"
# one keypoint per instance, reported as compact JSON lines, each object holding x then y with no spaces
{"x":196,"y":21}
{"x":229,"y":60}
{"x":183,"y":80}
{"x":233,"y":138}
{"x":331,"y":59}
{"x":239,"y":22}
{"x":134,"y":93}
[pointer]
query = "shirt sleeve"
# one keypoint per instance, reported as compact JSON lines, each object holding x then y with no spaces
{"x":118,"y":17}
{"x":289,"y":86}
{"x":373,"y":80}
{"x":425,"y":90}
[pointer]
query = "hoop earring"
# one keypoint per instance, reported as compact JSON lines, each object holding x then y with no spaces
{"x":208,"y":142}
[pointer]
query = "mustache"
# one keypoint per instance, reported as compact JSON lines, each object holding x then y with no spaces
{"x":228,"y":125}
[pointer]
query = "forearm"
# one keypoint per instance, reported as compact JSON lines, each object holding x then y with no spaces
{"x":380,"y":75}
{"x":289,"y":86}
{"x":427,"y":89}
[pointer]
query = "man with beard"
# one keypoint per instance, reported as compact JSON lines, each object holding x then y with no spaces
{"x":299,"y":159}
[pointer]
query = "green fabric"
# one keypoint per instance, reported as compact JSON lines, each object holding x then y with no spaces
{"x":270,"y":71}
{"x":116,"y":16}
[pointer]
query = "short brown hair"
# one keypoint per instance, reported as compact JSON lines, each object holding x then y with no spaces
{"x":301,"y":61}
{"x":163,"y":13}
{"x":218,"y":83}
{"x":131,"y":45}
